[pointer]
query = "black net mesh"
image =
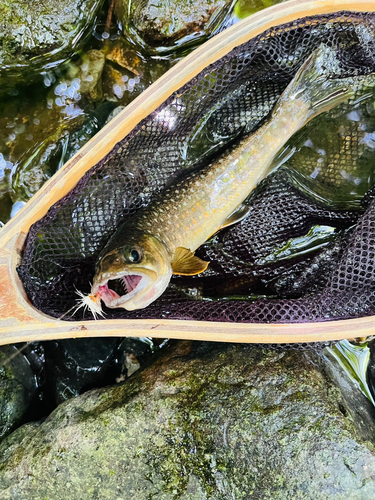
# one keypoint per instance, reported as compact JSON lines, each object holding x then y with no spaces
{"x":254,"y":275}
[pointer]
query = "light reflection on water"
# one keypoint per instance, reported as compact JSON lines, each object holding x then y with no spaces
{"x":354,"y":359}
{"x":332,"y":158}
{"x":36,"y":119}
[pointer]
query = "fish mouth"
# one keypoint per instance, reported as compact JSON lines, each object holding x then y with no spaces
{"x":117,"y":289}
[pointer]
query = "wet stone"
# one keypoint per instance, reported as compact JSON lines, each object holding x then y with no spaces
{"x":162,"y":25}
{"x":217,"y":422}
{"x":371,"y":368}
{"x":114,"y":113}
{"x":74,"y":366}
{"x":18,"y":388}
{"x":119,"y":87}
{"x":125,"y":57}
{"x":40,"y":129}
{"x":46,"y":33}
{"x":126,"y":73}
{"x":356,"y":404}
{"x":88,"y":73}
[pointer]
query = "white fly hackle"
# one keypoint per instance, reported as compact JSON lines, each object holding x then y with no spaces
{"x":89,"y":302}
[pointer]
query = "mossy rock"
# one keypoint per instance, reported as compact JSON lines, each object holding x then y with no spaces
{"x":161,"y":26}
{"x":201,"y":423}
{"x":36,"y":36}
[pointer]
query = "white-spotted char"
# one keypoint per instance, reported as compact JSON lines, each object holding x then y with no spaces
{"x":161,"y":238}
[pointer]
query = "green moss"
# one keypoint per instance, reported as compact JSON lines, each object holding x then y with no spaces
{"x":245,"y":8}
{"x":46,"y":34}
{"x":163,"y":26}
{"x":235,"y":422}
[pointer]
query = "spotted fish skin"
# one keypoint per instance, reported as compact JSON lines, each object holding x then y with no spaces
{"x":189,"y":212}
{"x":186,"y":214}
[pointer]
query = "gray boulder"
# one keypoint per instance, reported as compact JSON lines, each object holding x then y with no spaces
{"x":38,"y":35}
{"x":162,"y":25}
{"x":205,"y":421}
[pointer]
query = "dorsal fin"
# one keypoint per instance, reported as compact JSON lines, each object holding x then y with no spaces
{"x":186,"y":263}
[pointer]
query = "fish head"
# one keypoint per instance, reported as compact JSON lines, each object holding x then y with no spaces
{"x":140,"y":268}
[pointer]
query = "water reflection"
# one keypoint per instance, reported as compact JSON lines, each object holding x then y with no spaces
{"x":354,"y":359}
{"x":332,"y":158}
{"x":40,"y":124}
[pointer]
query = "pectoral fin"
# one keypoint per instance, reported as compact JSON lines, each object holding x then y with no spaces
{"x":236,"y":216}
{"x":186,"y":263}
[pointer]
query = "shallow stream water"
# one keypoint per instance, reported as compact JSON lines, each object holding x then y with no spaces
{"x":42,"y":125}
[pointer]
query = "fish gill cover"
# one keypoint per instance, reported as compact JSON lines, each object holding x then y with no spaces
{"x":306,"y":250}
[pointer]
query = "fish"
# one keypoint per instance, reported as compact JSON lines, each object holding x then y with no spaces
{"x":161,"y":238}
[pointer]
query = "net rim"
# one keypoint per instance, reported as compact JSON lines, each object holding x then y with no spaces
{"x":20,"y":321}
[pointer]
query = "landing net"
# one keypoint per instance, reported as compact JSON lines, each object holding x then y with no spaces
{"x":254,"y":275}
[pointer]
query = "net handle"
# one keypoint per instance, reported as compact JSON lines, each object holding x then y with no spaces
{"x":20,"y":321}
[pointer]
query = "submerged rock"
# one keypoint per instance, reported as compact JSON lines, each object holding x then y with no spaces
{"x":43,"y":126}
{"x":159,"y":26}
{"x":205,"y":421}
{"x":36,"y":36}
{"x":126,"y":57}
{"x":40,"y":129}
{"x":126,"y":74}
{"x":75,"y":365}
{"x":87,"y":73}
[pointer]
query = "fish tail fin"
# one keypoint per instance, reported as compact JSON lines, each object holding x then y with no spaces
{"x":318,"y":82}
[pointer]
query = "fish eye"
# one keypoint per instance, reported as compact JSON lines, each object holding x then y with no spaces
{"x":134,"y":255}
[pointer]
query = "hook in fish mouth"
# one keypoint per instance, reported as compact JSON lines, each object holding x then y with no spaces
{"x":117,"y":289}
{"x":133,"y":275}
{"x":128,"y":282}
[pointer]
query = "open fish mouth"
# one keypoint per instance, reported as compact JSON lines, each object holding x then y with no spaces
{"x":116,"y":290}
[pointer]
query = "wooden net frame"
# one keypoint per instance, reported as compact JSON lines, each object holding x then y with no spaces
{"x":20,"y":321}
